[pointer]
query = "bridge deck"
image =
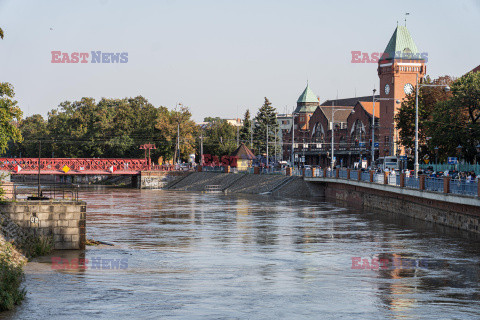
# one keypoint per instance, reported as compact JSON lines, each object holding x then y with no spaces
{"x":77,"y":166}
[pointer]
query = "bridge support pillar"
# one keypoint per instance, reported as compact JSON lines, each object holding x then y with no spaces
{"x":135,"y":180}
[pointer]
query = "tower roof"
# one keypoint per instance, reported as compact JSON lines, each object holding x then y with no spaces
{"x":307,"y":96}
{"x":401,"y":42}
{"x":307,"y":102}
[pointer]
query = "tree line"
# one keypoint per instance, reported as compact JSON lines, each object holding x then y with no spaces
{"x":115,"y":128}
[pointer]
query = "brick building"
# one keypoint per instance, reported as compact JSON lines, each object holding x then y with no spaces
{"x":398,"y":71}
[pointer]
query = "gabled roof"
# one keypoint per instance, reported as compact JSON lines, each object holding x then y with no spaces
{"x":347,"y":101}
{"x":368,"y":107}
{"x":401,"y":41}
{"x":339,"y":116}
{"x":307,"y":96}
{"x":243,"y":152}
{"x":477,"y":69}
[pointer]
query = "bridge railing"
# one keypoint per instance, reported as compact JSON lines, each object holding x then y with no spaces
{"x":76,"y":164}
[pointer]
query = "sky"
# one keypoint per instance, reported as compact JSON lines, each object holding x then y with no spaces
{"x":221,"y":57}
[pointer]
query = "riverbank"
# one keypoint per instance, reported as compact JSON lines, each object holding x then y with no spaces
{"x":12,"y":262}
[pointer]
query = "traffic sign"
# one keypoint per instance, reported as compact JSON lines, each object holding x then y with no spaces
{"x":361,"y":144}
{"x":376,"y":145}
{"x":452,"y":160}
{"x":403,"y":158}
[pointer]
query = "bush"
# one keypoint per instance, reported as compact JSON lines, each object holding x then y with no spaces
{"x":35,"y":246}
{"x":11,"y":276}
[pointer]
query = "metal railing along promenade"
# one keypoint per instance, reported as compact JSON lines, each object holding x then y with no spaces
{"x":454,"y":186}
{"x":435,"y":184}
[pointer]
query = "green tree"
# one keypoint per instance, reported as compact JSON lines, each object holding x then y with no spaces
{"x":33,"y":128}
{"x":220,"y":138}
{"x":169,"y":123}
{"x":456,"y":121}
{"x":10,"y":115}
{"x":266,"y":116}
{"x":246,"y":130}
{"x":427,"y":101}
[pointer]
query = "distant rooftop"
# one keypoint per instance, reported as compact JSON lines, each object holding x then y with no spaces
{"x":339,"y":116}
{"x":347,"y":101}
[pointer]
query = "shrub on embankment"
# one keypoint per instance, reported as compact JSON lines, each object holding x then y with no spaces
{"x":11,"y":276}
{"x":16,"y":244}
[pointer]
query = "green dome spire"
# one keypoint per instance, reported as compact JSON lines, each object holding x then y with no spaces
{"x":307,"y":96}
{"x":402,"y":42}
{"x":307,"y":102}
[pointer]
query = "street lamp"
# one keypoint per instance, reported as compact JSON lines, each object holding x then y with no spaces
{"x":333,"y":128}
{"x":459,"y":150}
{"x":436,"y":155}
{"x":293,"y":139}
{"x":478,"y":151}
{"x":373,"y":122}
{"x":447,"y":89}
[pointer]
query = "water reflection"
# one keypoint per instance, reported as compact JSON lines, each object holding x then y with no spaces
{"x":195,"y":256}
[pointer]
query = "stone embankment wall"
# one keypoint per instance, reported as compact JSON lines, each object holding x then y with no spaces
{"x":246,"y":183}
{"x":455,"y":211}
{"x":157,"y":179}
{"x":64,"y":220}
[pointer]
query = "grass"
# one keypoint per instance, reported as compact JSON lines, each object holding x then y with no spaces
{"x":35,"y":246}
{"x":11,"y":276}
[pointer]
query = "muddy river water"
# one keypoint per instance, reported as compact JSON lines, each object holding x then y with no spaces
{"x":179,"y":255}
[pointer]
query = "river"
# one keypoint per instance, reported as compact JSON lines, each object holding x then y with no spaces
{"x":180,"y":255}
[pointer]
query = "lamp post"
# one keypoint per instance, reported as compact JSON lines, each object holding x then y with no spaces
{"x":436,"y":155}
{"x":293,"y":139}
{"x":446,"y":88}
{"x":373,"y":122}
{"x":333,"y":129}
{"x":478,"y":151}
{"x":459,"y":151}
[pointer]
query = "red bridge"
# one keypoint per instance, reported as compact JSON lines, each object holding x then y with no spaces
{"x":78,"y":166}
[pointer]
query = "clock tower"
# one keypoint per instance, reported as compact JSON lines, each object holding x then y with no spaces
{"x":397,"y":69}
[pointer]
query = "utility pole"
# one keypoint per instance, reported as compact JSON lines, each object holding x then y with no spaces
{"x":238,"y":133}
{"x":39,"y":156}
{"x":293,"y":138}
{"x":275,"y":145}
{"x":178,"y":142}
{"x":373,"y":130}
{"x":238,"y":128}
{"x":201,"y":148}
{"x":251,"y":134}
{"x":267,"y":144}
